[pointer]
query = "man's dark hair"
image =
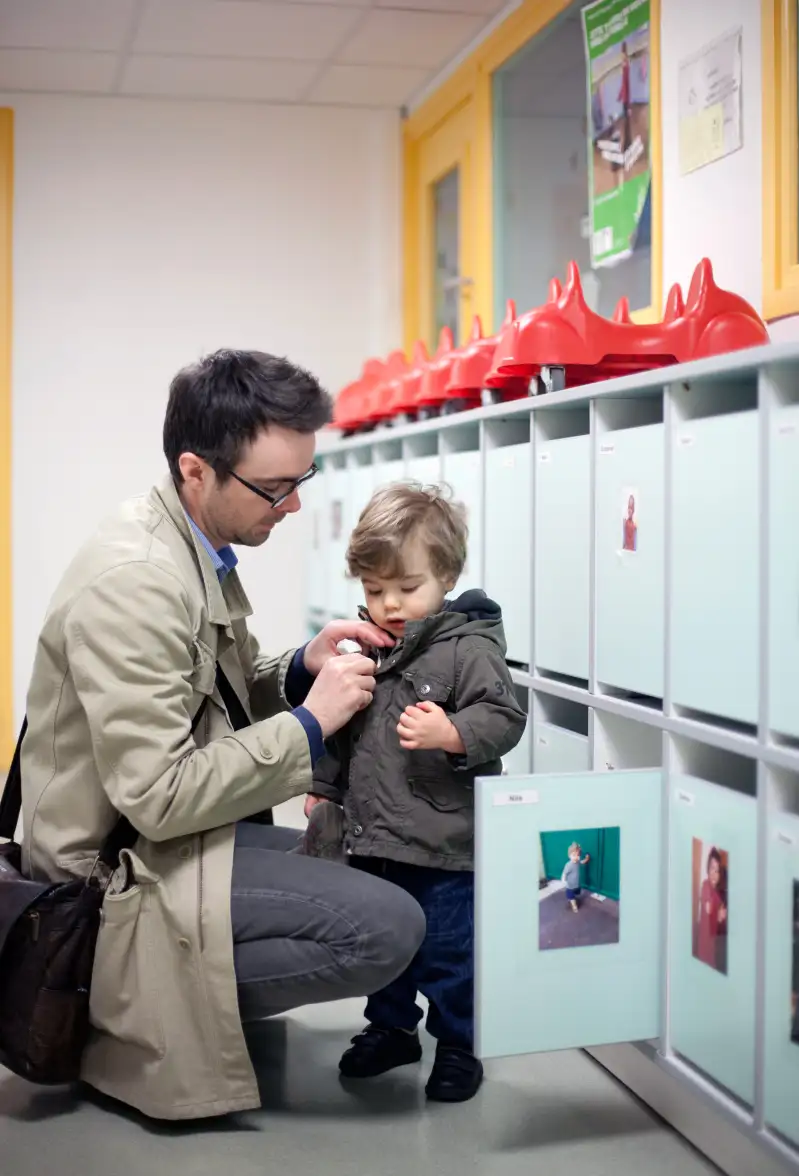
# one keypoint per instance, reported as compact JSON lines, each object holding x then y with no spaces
{"x":222,"y":403}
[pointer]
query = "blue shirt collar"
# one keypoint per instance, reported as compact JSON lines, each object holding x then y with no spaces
{"x":224,"y":560}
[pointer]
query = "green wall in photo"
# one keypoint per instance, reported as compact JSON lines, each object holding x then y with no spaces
{"x":601,"y":874}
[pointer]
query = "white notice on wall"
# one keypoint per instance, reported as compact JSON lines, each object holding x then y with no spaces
{"x":710,"y":102}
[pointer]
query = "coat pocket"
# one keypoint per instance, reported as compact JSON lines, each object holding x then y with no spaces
{"x":428,"y":688}
{"x":444,"y":795}
{"x":203,"y":671}
{"x":123,"y":1001}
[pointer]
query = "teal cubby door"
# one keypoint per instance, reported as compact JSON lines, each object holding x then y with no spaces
{"x":712,"y":947}
{"x":463,"y":472}
{"x":562,"y":541}
{"x":557,"y":749}
{"x":630,"y":546}
{"x":784,"y":572}
{"x":337,"y":537}
{"x":508,"y":498}
{"x":716,"y":521}
{"x":782,"y":977}
{"x":530,"y":997}
{"x":361,"y":488}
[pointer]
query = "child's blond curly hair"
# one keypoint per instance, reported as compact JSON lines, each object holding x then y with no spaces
{"x":575,"y":847}
{"x":399,"y":511}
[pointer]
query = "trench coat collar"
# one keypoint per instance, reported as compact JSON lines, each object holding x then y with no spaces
{"x":226,"y":603}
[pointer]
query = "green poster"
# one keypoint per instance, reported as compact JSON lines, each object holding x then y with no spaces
{"x":619,"y":168}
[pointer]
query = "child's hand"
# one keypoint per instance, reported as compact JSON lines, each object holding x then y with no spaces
{"x":425,"y":727}
{"x":310,"y":804}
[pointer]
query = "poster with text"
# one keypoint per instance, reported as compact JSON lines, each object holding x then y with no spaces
{"x":616,"y":36}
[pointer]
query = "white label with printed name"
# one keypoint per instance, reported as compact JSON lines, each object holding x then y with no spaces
{"x":607,"y":448}
{"x":525,"y":796}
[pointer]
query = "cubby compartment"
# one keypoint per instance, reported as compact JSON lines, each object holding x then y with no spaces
{"x":517,"y":762}
{"x":461,"y":468}
{"x":361,"y":487}
{"x":389,"y":466}
{"x":337,"y":585}
{"x":421,"y":459}
{"x":559,"y":735}
{"x":714,"y":577}
{"x":783,"y":570}
{"x":713,"y":914}
{"x":314,"y":497}
{"x":562,"y":541}
{"x":621,"y":744}
{"x":630,"y":547}
{"x":781,"y":1049}
{"x":508,"y":551}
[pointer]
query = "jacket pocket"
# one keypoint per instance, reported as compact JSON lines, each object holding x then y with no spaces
{"x":123,"y":1001}
{"x":203,"y":671}
{"x":427,"y":687}
{"x":445,"y":795}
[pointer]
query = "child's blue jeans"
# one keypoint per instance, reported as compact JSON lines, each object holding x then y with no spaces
{"x":443,"y":968}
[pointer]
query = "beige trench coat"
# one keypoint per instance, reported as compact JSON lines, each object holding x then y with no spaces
{"x":126,"y":656}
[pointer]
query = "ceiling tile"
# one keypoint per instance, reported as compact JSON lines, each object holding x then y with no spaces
{"x":202,"y":77}
{"x":478,"y":7}
{"x":58,"y":24}
{"x":368,"y":85}
{"x":45,"y":70}
{"x":418,"y":39}
{"x":242,"y":28}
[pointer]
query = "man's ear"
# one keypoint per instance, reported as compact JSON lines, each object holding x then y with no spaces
{"x":193,"y":469}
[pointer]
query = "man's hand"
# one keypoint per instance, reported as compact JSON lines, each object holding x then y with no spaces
{"x":311,"y":802}
{"x":322,"y":647}
{"x":425,"y":727}
{"x":344,"y":685}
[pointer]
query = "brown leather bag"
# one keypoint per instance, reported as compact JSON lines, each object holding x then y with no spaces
{"x":48,"y":933}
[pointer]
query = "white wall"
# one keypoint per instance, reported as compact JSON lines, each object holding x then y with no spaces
{"x":146,"y":234}
{"x":717,"y":211}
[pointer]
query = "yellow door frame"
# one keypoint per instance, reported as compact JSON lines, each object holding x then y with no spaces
{"x":6,"y":630}
{"x":471,"y":84}
{"x":447,"y":147}
{"x":780,"y":160}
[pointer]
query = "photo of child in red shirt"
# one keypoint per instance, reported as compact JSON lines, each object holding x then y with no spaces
{"x":710,"y":905}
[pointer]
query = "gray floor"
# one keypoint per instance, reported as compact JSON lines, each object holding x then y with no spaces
{"x":557,"y":1115}
{"x":550,"y":1115}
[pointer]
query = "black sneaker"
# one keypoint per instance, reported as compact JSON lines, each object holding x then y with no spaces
{"x":375,"y":1051}
{"x":456,"y":1076}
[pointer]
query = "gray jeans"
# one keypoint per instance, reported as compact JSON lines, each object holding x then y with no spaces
{"x":307,"y":931}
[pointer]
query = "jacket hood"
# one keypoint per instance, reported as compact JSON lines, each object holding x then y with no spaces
{"x":470,"y":614}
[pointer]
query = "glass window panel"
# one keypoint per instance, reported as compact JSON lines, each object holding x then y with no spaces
{"x":446,"y":270}
{"x":542,"y":135}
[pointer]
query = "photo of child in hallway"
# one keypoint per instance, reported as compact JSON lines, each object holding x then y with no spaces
{"x":795,"y":970}
{"x":579,"y":900}
{"x":629,"y":526}
{"x":572,"y":874}
{"x":710,"y":915}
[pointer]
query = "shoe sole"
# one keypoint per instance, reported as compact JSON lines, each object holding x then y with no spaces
{"x":382,"y":1070}
{"x":455,"y":1096}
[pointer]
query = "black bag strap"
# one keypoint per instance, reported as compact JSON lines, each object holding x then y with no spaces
{"x":123,"y":835}
{"x":11,"y":800}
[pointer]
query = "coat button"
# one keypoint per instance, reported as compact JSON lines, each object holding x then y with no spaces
{"x":184,"y":944}
{"x":185,"y":850}
{"x":357,"y":830}
{"x":425,"y":689}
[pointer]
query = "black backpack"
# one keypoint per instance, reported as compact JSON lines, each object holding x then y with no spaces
{"x":48,"y":934}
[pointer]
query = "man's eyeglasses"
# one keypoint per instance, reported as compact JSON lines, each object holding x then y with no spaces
{"x":276,"y":500}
